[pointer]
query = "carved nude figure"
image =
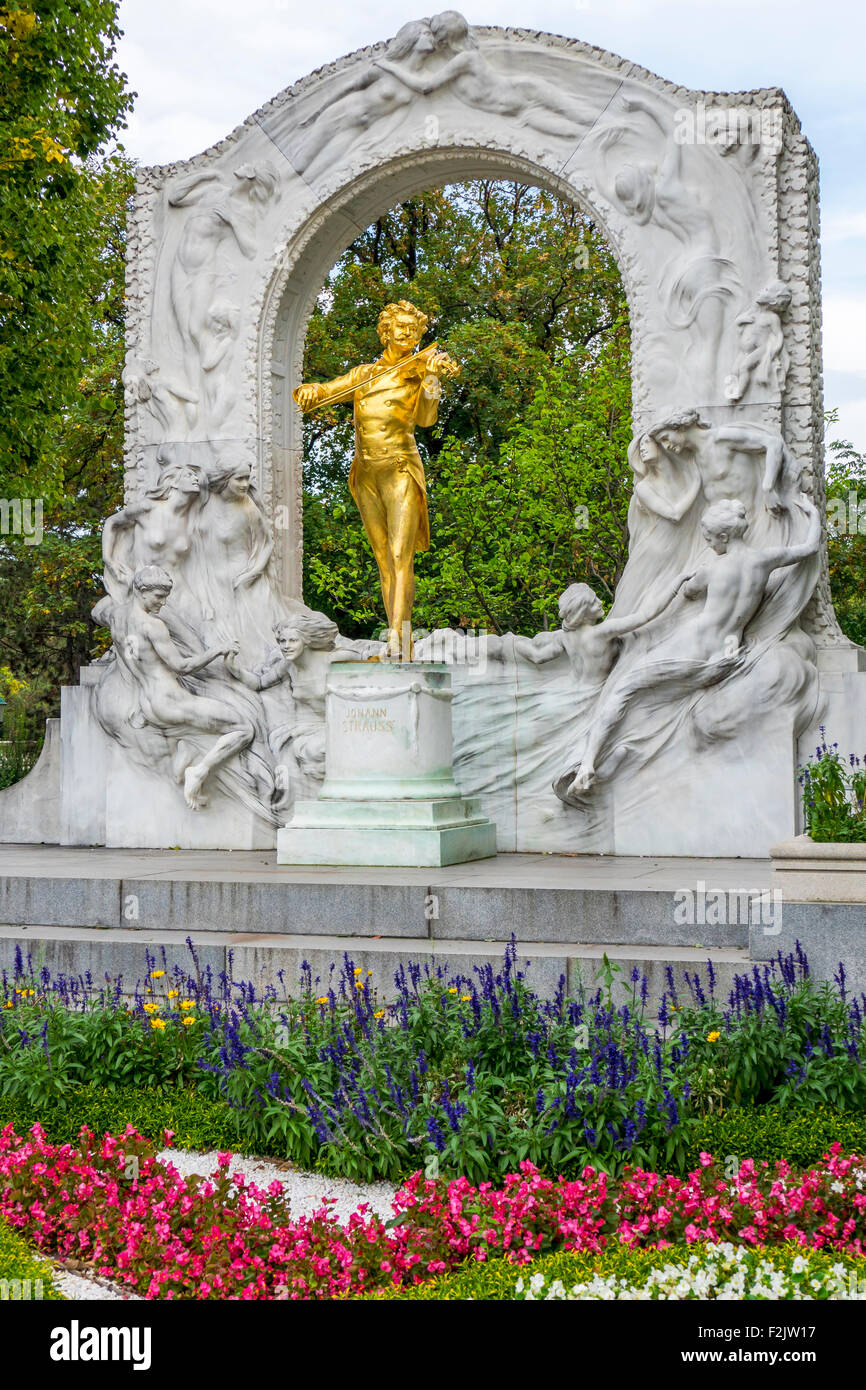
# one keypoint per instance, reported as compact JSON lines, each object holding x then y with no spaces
{"x":705,"y":645}
{"x":700,"y":281}
{"x":154,"y":530}
{"x":728,"y":467}
{"x":222,"y":217}
{"x":379,"y":90}
{"x":237,"y":524}
{"x":149,"y":653}
{"x":218,"y":337}
{"x":173,"y":406}
{"x":303,"y":656}
{"x":592,"y":647}
{"x":763,"y":357}
{"x":476,"y":83}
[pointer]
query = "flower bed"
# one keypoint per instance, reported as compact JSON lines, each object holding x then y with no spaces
{"x":680,"y":1273}
{"x":129,"y":1217}
{"x":459,"y":1075}
{"x":23,"y":1275}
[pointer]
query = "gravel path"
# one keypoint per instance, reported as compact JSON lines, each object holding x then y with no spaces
{"x":83,"y":1290}
{"x":304,"y":1190}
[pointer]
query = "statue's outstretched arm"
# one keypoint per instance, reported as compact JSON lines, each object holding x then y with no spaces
{"x":312,"y":394}
{"x":614,"y":627}
{"x":790,"y":554}
{"x":184,"y":190}
{"x":545,"y":646}
{"x":429,"y":82}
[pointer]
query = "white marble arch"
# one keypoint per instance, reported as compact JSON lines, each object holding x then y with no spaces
{"x":698,"y":228}
{"x":710,"y":203}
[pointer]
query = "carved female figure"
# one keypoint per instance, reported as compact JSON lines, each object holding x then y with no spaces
{"x":699,"y":282}
{"x":232,"y":553}
{"x":305,"y":650}
{"x":218,"y":337}
{"x":664,"y":507}
{"x":156,"y":529}
{"x":763,"y":357}
{"x":378,"y":91}
{"x":476,"y":83}
{"x":224,"y":217}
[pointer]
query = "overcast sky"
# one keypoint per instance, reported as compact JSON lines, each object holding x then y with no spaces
{"x":201,"y":66}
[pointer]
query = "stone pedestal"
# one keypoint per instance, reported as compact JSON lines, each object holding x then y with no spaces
{"x":389,"y":795}
{"x":810,"y":871}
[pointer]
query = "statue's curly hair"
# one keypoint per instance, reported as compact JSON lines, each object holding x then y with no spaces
{"x":390,"y":312}
{"x":152,"y":577}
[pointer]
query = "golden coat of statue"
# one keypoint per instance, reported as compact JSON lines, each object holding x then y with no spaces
{"x":391,"y":396}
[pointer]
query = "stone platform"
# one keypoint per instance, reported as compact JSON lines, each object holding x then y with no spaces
{"x":103,"y":910}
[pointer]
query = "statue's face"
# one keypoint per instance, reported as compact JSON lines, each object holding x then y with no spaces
{"x":672,"y":440}
{"x":152,"y":600}
{"x":403,"y":332}
{"x":716,"y":540}
{"x":187,"y":481}
{"x":239,"y":483}
{"x":290,"y":643}
{"x":425,"y":42}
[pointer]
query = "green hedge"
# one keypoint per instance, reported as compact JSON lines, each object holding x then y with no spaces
{"x":497,"y":1280}
{"x":197,"y":1123}
{"x":765,"y":1132}
{"x":18,"y":1265}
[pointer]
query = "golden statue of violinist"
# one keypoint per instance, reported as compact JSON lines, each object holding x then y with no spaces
{"x":391,"y":396}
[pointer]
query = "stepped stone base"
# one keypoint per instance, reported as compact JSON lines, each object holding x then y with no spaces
{"x":102,"y":910}
{"x":412,"y":833}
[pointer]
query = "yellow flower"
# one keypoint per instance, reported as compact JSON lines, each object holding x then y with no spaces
{"x":172,"y":994}
{"x":713,"y":1037}
{"x":359,"y":984}
{"x":369,"y":972}
{"x":150,"y":1008}
{"x":466,"y":998}
{"x":380,"y":1013}
{"x":8,"y":1004}
{"x":452,"y":989}
{"x":157,"y":1023}
{"x":187,"y":1022}
{"x":157,"y":974}
{"x":323,"y":999}
{"x":187,"y":1003}
{"x":358,"y":970}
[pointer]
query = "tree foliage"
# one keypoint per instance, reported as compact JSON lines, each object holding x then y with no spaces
{"x":62,"y":216}
{"x":61,"y":99}
{"x":846,"y":534}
